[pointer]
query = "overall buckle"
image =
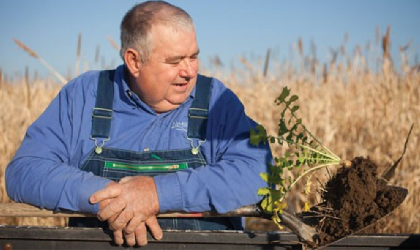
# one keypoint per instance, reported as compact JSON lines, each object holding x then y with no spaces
{"x":195,"y":150}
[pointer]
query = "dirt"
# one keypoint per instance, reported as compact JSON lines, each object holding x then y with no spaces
{"x":352,"y":199}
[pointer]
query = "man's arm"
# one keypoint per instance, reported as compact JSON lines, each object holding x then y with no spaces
{"x":232,"y":177}
{"x":40,"y":173}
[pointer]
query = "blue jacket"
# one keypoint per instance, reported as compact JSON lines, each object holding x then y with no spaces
{"x":45,"y":170}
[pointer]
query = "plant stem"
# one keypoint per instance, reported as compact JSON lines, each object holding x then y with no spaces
{"x":331,"y":156}
{"x":306,"y":172}
{"x":316,"y":139}
{"x":323,"y":160}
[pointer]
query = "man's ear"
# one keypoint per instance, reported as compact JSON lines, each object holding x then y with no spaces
{"x":132,"y":61}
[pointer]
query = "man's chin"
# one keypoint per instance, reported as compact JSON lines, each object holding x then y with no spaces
{"x":178,"y":101}
{"x":178,"y":98}
{"x":169,"y":105}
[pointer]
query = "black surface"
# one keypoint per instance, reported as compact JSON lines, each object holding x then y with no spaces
{"x":12,"y":238}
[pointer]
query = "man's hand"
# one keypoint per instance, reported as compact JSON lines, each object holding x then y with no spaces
{"x":129,"y":207}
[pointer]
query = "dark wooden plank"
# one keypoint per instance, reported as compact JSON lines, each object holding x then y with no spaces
{"x":80,"y":245}
{"x":94,"y":238}
{"x":186,"y":236}
{"x":379,"y":240}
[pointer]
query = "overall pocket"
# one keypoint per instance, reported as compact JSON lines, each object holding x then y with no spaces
{"x":117,"y":170}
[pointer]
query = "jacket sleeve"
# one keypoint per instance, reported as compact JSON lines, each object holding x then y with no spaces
{"x":232,"y":177}
{"x":40,"y":173}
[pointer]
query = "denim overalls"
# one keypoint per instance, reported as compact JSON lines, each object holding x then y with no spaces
{"x":115,"y":164}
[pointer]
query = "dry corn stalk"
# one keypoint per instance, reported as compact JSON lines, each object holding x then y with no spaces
{"x":36,"y":56}
{"x":28,"y":88}
{"x":113,"y":43}
{"x":79,"y":46}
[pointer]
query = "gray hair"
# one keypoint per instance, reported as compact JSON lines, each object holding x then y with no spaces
{"x":139,"y":20}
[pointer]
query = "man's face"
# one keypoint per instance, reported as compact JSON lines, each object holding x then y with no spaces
{"x":166,"y":80}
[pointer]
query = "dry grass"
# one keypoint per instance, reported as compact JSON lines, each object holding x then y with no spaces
{"x":351,"y":109}
{"x":20,"y":104}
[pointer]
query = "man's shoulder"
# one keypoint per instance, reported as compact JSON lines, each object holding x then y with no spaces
{"x":223,"y":96}
{"x":85,"y":79}
{"x":85,"y":83}
{"x":219,"y":89}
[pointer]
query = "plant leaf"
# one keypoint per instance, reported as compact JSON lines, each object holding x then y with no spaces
{"x":294,"y":109}
{"x":264,"y":176}
{"x":256,"y":137}
{"x":293,"y":98}
{"x":283,"y":95}
{"x":263,"y":191}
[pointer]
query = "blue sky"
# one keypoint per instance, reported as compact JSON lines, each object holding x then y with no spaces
{"x":227,"y":28}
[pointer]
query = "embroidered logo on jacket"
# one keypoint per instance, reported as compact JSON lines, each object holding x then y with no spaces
{"x":181,"y":126}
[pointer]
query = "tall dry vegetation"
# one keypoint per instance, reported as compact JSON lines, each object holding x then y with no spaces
{"x":352,"y":109}
{"x":20,"y":104}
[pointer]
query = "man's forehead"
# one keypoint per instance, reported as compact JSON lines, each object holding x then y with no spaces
{"x":159,"y":29}
{"x":174,"y":54}
{"x":171,"y":42}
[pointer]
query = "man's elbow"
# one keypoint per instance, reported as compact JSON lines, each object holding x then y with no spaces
{"x":12,"y":182}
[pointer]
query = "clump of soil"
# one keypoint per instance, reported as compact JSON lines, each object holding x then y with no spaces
{"x":353,"y":199}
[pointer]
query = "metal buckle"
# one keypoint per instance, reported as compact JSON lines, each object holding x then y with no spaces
{"x":195,"y":150}
{"x":98,"y":148}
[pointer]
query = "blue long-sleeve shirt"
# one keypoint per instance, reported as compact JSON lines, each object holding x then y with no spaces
{"x":46,"y":168}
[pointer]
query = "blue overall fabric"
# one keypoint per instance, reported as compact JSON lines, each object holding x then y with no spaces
{"x":102,"y":113}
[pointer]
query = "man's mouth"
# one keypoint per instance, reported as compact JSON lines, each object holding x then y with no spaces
{"x":180,"y":87}
{"x":180,"y":84}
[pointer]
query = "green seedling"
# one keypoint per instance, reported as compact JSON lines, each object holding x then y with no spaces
{"x":306,"y":154}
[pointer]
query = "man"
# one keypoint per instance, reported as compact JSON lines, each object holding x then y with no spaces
{"x":150,"y":137}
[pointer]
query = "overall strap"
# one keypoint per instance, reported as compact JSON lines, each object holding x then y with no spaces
{"x":199,"y":110}
{"x":102,"y":113}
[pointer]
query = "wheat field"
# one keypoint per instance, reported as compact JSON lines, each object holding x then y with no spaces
{"x":352,"y":109}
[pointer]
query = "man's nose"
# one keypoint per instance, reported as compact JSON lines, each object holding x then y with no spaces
{"x":188,"y":69}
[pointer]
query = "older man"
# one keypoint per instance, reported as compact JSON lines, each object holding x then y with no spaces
{"x":149,"y":137}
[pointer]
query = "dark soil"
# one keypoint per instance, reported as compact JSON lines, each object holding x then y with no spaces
{"x":353,"y":199}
